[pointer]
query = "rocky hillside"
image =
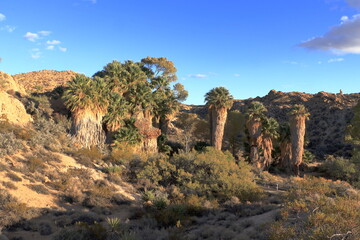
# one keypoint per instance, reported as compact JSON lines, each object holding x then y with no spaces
{"x":10,"y":106}
{"x":43,"y":81}
{"x":330,"y":115}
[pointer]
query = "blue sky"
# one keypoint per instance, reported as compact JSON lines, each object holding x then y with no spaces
{"x":250,"y":47}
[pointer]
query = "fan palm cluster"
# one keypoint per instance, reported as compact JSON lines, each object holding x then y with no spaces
{"x":139,"y":90}
{"x":263,"y":131}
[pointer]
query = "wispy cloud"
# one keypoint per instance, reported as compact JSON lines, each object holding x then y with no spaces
{"x":1,"y":59}
{"x":2,"y":17}
{"x":197,"y":75}
{"x":44,"y":33}
{"x":354,"y":3}
{"x":341,"y":39}
{"x":62,"y":49}
{"x":237,"y":75}
{"x":333,"y":60}
{"x":53,"y":42}
{"x":31,"y":36}
{"x":35,"y":53}
{"x":51,"y":47}
{"x":8,"y":28}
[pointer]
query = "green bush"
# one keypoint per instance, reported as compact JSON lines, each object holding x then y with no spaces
{"x":340,"y":168}
{"x":211,"y":173}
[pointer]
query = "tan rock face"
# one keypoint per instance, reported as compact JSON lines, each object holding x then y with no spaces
{"x":8,"y":83}
{"x":43,"y":81}
{"x":13,"y":110}
{"x":10,"y":107}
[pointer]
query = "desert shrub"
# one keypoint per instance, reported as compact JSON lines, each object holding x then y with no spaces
{"x":211,"y":173}
{"x":10,"y":144}
{"x":340,"y":168}
{"x":11,"y":210}
{"x":38,"y":188}
{"x":13,"y":177}
{"x":9,"y":185}
{"x":100,"y":195}
{"x":320,"y":208}
{"x":35,"y":164}
{"x":87,"y":156}
{"x":51,"y":135}
{"x":122,"y":154}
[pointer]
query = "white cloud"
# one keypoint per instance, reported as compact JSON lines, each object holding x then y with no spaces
{"x":237,"y":75}
{"x":8,"y":28}
{"x":62,"y":49}
{"x":31,"y":36}
{"x":44,"y":33}
{"x":53,"y":42}
{"x":341,"y":39}
{"x":35,"y":53}
{"x":332,"y":60}
{"x":344,"y":18}
{"x":51,"y":47}
{"x":197,"y":75}
{"x":2,"y":17}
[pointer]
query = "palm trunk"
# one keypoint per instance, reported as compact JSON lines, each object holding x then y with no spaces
{"x":297,"y":129}
{"x":217,"y":125}
{"x":144,"y":124}
{"x":254,"y":128}
{"x":285,"y":155}
{"x":87,"y":128}
{"x":267,"y":146}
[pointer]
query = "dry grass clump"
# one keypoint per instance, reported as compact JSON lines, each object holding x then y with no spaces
{"x":11,"y":211}
{"x":88,"y":157}
{"x":318,"y":209}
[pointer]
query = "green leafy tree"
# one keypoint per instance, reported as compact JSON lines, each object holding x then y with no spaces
{"x":270,"y":132}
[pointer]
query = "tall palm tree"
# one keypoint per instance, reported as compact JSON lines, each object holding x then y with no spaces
{"x":218,"y":100}
{"x":118,"y":110}
{"x":143,"y":100}
{"x":87,"y":100}
{"x":285,"y":146}
{"x":270,"y":132}
{"x":255,"y":115}
{"x":298,"y":117}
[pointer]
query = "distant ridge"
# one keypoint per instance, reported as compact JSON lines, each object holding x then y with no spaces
{"x":330,"y":114}
{"x":44,"y":80}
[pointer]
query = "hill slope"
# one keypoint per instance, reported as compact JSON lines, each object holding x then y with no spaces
{"x":330,"y":115}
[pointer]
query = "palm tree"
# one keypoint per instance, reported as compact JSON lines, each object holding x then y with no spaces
{"x":87,"y":100}
{"x":218,"y":100}
{"x":255,"y":115}
{"x":117,"y":112}
{"x":285,"y":146}
{"x":143,"y":100}
{"x":270,"y":131}
{"x":298,"y":117}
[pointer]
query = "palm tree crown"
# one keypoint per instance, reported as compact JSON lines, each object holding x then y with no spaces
{"x":219,"y":97}
{"x":299,"y":110}
{"x":84,"y":93}
{"x":270,"y":127}
{"x":256,"y":110}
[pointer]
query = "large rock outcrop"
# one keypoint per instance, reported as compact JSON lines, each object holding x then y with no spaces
{"x":10,"y":107}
